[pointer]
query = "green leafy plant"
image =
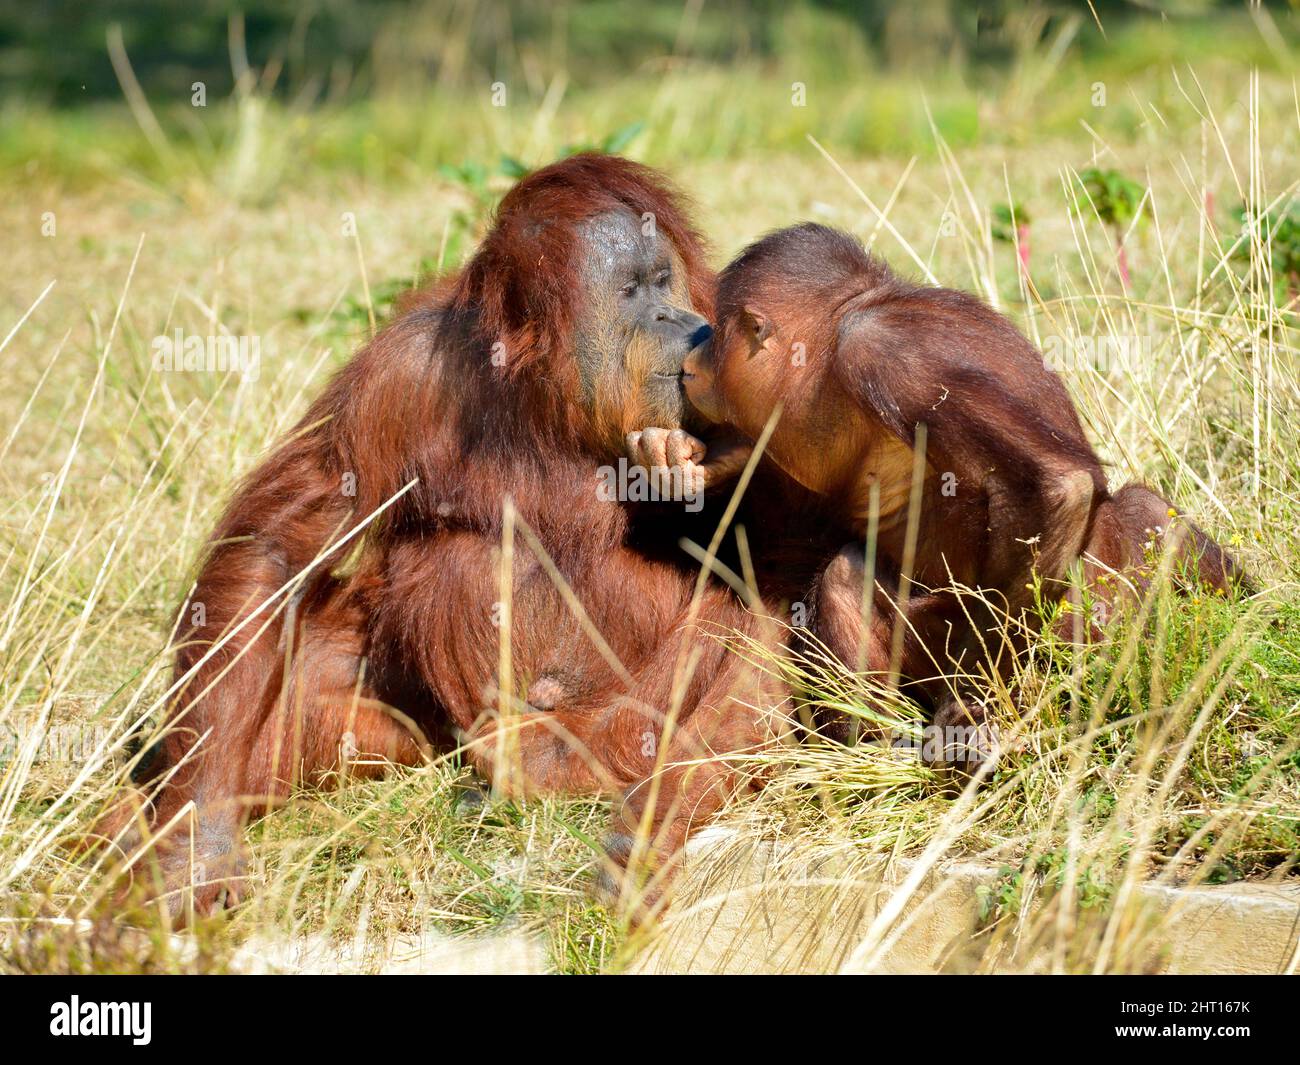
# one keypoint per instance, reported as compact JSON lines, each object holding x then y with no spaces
{"x":485,"y":183}
{"x":611,"y":144}
{"x":1118,"y":201}
{"x":1011,"y":223}
{"x":1279,"y":232}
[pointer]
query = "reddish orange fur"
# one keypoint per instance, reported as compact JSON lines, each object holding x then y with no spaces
{"x":858,"y":359}
{"x":404,"y":649}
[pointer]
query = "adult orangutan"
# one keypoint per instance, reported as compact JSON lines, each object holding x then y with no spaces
{"x":352,"y":603}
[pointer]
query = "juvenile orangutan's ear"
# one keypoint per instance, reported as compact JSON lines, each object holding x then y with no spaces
{"x":757,"y":326}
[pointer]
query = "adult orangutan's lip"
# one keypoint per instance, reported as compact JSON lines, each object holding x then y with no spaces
{"x":669,"y":376}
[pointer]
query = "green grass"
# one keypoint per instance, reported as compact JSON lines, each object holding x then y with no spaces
{"x":249,"y":145}
{"x":1168,"y":753}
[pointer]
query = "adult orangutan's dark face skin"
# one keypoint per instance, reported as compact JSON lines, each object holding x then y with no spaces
{"x":638,"y":327}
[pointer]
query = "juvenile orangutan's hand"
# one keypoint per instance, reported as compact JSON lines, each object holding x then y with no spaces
{"x":669,"y":453}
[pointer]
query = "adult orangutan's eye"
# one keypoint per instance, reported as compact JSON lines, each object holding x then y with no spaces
{"x":629,"y":289}
{"x":663,"y":278}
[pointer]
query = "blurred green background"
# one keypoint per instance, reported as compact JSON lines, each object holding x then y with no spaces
{"x":53,"y":52}
{"x":399,"y":86}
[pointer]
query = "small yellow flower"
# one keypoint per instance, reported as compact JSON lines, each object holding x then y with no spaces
{"x":1173,"y":513}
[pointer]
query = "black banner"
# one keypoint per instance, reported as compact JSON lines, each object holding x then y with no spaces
{"x":339,"y":1014}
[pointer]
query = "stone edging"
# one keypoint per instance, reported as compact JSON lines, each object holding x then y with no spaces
{"x":762,"y":908}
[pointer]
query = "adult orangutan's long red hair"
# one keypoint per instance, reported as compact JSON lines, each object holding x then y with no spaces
{"x":513,"y":380}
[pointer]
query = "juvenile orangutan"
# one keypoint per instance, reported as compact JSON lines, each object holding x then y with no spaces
{"x":933,"y":427}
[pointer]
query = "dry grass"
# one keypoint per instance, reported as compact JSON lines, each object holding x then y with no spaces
{"x":1170,"y":753}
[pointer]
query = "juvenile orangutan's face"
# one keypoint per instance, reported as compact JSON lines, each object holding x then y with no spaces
{"x":728,"y":379}
{"x":638,"y":326}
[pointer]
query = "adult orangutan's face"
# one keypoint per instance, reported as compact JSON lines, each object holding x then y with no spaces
{"x":637,"y":326}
